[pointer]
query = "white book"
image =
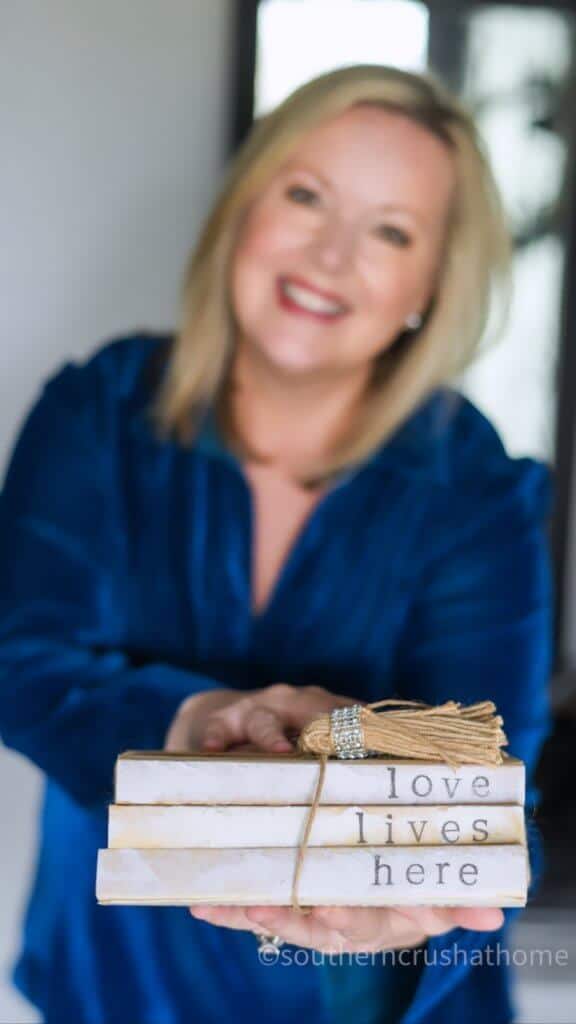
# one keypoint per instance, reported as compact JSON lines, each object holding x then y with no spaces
{"x":158,"y":777}
{"x":345,"y":876}
{"x":221,"y":826}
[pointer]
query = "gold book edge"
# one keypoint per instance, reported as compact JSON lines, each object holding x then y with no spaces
{"x":289,"y":758}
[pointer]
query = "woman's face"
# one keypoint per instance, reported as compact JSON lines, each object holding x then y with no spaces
{"x":343,"y":244}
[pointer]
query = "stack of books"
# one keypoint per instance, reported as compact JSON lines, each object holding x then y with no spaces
{"x":226,"y":828}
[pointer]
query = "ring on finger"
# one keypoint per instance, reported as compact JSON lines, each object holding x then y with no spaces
{"x":269,"y":943}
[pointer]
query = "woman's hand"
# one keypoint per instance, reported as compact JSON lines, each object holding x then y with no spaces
{"x":266,"y":719}
{"x":352,"y":929}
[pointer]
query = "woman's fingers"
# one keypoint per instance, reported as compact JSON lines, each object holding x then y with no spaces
{"x":225,"y":916}
{"x":299,"y":929}
{"x":264,"y":728}
{"x":372,"y":928}
{"x":435,"y":920}
{"x":217,"y":735}
{"x":289,"y":700}
{"x":477,"y":918}
{"x":178,"y":735}
{"x":249,"y":719}
{"x":187,"y":727}
{"x":369,"y":929}
{"x":299,"y":704}
{"x":226,"y":727}
{"x":263,"y":717}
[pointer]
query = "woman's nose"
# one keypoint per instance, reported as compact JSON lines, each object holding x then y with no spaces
{"x":334,"y":245}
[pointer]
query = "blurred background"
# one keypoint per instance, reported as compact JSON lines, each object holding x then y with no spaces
{"x":117,"y":122}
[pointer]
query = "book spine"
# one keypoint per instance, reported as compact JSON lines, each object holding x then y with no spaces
{"x":361,"y":876}
{"x":215,"y":781}
{"x":158,"y":827}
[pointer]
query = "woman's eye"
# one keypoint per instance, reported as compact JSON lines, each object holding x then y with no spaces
{"x":300,"y":194}
{"x":392,"y":234}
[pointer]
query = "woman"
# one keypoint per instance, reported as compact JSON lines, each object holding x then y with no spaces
{"x":211,"y":535}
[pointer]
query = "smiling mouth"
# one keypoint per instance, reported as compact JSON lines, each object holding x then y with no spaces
{"x":298,"y":299}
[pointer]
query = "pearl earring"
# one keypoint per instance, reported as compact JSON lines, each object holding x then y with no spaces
{"x":413,"y":321}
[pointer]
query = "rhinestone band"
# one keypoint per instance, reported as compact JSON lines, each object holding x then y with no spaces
{"x":347,"y":732}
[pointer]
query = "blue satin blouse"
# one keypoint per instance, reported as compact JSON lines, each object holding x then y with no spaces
{"x":125,"y":586}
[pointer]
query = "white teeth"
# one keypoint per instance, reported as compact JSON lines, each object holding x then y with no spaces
{"x":309,"y":300}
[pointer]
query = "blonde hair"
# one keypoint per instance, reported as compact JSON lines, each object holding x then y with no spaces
{"x":473,"y":282}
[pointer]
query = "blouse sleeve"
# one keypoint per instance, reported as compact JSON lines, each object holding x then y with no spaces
{"x":481,"y":628}
{"x":71,"y":699}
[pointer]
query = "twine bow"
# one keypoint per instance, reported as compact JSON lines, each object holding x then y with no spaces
{"x":447,"y":732}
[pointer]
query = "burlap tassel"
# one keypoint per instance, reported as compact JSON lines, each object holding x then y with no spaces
{"x":448,"y":732}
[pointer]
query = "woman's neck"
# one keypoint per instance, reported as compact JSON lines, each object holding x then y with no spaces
{"x":289,"y":419}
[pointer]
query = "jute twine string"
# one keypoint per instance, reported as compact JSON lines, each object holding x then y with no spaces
{"x":449,"y":733}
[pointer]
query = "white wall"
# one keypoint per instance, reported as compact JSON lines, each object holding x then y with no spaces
{"x":113,"y":120}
